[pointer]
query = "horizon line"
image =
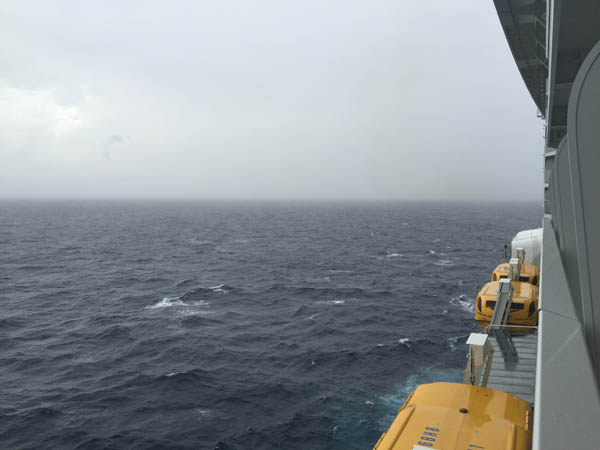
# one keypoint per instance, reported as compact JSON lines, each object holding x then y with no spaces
{"x":272,"y":199}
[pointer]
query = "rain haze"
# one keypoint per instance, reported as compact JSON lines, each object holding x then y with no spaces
{"x":264,"y":99}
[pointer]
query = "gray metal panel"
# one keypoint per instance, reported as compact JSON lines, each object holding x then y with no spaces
{"x":564,"y":223}
{"x":555,"y":207}
{"x":573,"y":29}
{"x":567,"y":411}
{"x":584,"y":158}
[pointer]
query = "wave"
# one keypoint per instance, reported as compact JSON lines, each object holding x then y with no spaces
{"x":190,"y":298}
{"x":168,"y":302}
{"x":464,"y":303}
{"x":330,"y":302}
{"x":452,"y":341}
{"x":444,"y":262}
{"x":12,"y":322}
{"x":320,"y":292}
{"x":394,"y":255}
{"x":406,"y":342}
{"x":196,"y":241}
{"x":220,"y":288}
{"x":202,"y":412}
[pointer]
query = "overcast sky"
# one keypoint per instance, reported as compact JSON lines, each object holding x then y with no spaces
{"x":264,"y":99}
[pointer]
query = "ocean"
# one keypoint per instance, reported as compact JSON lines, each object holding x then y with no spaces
{"x":232,"y":325}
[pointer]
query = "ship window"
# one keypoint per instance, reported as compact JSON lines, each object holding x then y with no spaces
{"x":531,"y":309}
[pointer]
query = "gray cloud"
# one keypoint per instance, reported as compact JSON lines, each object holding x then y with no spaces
{"x":341,"y":99}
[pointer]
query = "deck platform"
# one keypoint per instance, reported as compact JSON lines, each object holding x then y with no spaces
{"x":514,"y":363}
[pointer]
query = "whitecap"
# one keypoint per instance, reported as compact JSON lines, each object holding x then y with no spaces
{"x":394,"y":255}
{"x":331,"y":302}
{"x":406,"y":342}
{"x":443,"y":262}
{"x":172,"y":374}
{"x":167,"y":302}
{"x":186,"y":312}
{"x":452,"y":341}
{"x":432,"y":252}
{"x":369,"y":402}
{"x":219,"y":288}
{"x":202,"y":412}
{"x":186,"y":308}
{"x":464,"y":303}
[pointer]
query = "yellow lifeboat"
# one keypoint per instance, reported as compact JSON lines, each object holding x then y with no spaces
{"x":523,"y":310}
{"x":451,"y":416}
{"x":529,"y":273}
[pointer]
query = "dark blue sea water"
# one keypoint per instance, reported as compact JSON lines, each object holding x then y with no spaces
{"x":190,"y":325}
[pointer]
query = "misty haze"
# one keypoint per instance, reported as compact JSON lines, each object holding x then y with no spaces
{"x":342,"y":99}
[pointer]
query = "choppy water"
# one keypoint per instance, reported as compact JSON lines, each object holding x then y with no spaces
{"x":188,"y":325}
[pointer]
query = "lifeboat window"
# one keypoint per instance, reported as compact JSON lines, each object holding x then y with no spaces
{"x":479,"y":304}
{"x":525,"y":279}
{"x":494,"y":278}
{"x":535,"y":280}
{"x":531,"y":309}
